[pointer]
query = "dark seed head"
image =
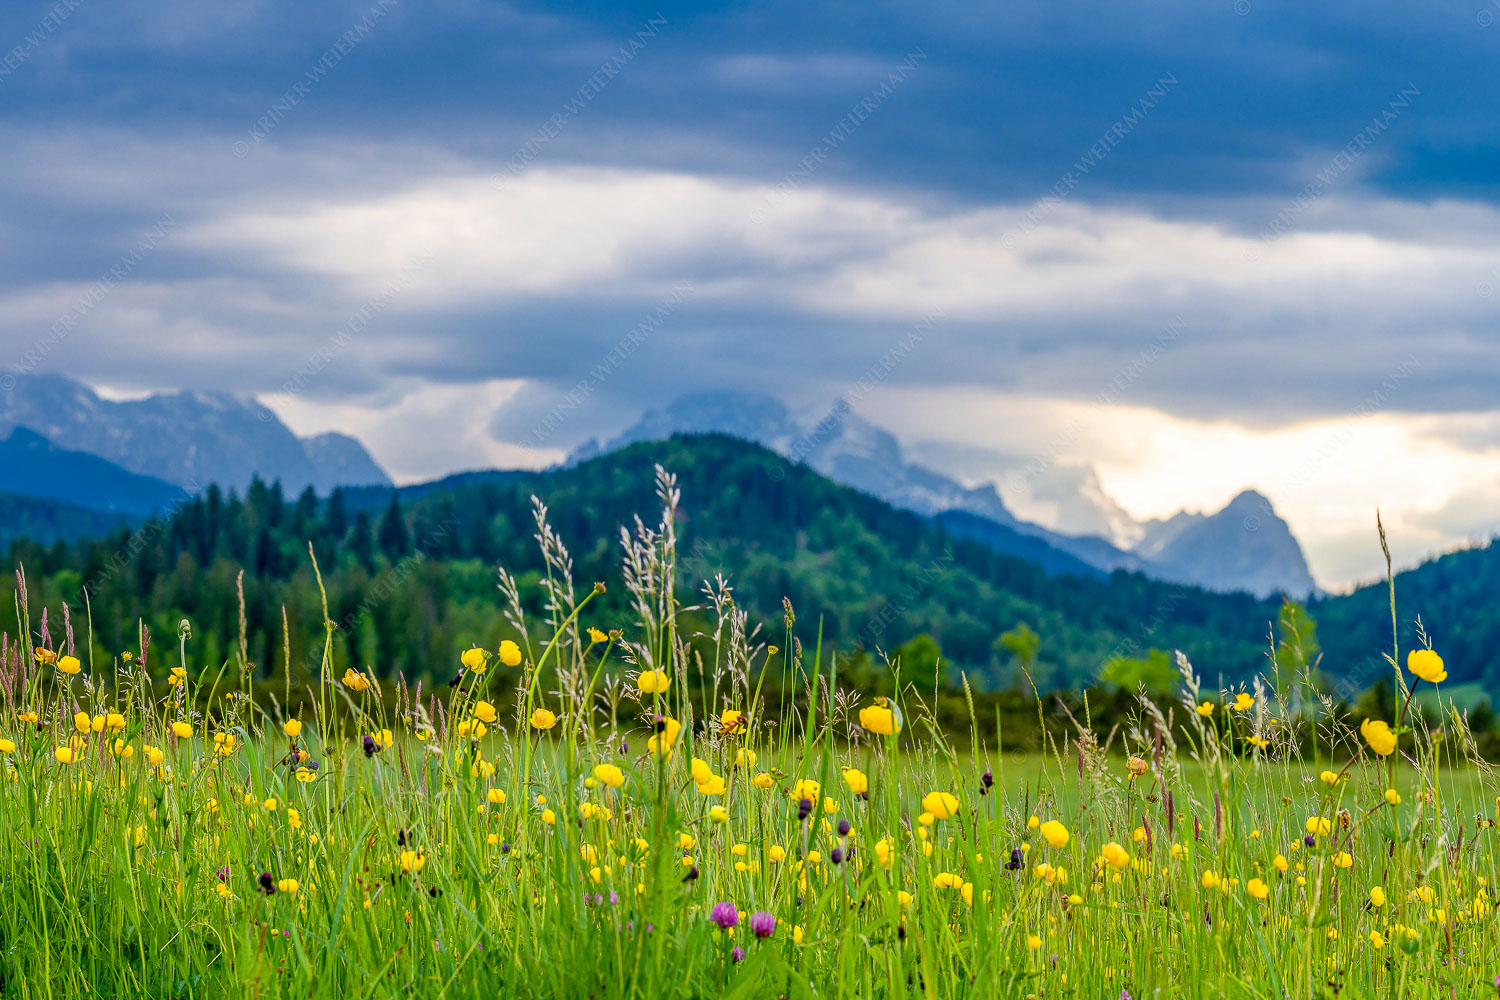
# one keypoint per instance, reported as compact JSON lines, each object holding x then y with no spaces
{"x":836,"y":855}
{"x":844,"y":828}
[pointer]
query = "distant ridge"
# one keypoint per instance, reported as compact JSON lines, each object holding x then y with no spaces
{"x":1217,"y":551}
{"x":188,"y":438}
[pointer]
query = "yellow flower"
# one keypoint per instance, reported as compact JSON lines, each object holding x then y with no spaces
{"x":1243,"y":702}
{"x":1392,"y":797}
{"x":412,"y":862}
{"x":732,"y":721}
{"x":1328,"y":778}
{"x":510,"y":653}
{"x":355,"y":681}
{"x":496,"y":796}
{"x":744,"y":757}
{"x":665,"y":739}
{"x":653,"y":681}
{"x":485,"y":712}
{"x":6,"y":746}
{"x":880,"y":718}
{"x":474,"y":659}
{"x":942,"y":805}
{"x":856,"y":780}
{"x":114,"y":721}
{"x":549,"y":817}
{"x":1427,"y":665}
{"x":763,"y":781}
{"x":610,"y":775}
{"x":775,"y":854}
{"x":1136,"y":767}
{"x":64,"y":755}
{"x":596,"y":636}
{"x":719,"y":814}
{"x":287,"y":885}
{"x":182,"y":730}
{"x":1209,"y":879}
{"x":1033,"y":942}
{"x":1379,"y":736}
{"x":1116,"y":855}
{"x":154,"y":756}
{"x":1205,"y":708}
{"x":44,"y":655}
{"x":177,"y":676}
{"x":543,"y":719}
{"x":1055,"y":834}
{"x":69,"y":664}
{"x":1318,"y":826}
{"x":1257,"y":888}
{"x":1377,"y":940}
{"x":1281,"y":863}
{"x":1377,"y":897}
{"x":713,"y":786}
{"x":81,"y":722}
{"x":1344,"y":859}
{"x":292,"y":727}
{"x":269,"y":805}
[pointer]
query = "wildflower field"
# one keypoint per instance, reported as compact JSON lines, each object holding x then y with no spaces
{"x":592,"y":809}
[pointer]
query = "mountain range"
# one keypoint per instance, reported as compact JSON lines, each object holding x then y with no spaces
{"x":188,"y":439}
{"x":1244,"y":546}
{"x":62,"y":441}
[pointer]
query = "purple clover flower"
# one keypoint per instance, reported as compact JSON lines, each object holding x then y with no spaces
{"x":725,"y":915}
{"x":762,"y":924}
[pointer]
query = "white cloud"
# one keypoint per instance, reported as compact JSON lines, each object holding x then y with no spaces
{"x":417,"y":431}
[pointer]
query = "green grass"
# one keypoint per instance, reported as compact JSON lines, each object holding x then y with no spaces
{"x":130,"y":876}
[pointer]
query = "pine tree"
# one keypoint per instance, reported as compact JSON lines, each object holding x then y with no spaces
{"x":392,"y":536}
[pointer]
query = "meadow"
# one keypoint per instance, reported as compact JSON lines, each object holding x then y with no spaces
{"x":635,"y":828}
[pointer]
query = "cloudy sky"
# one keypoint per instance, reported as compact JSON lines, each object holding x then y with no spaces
{"x":1199,"y":246}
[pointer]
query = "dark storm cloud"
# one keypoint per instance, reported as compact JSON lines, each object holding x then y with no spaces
{"x":117,"y":116}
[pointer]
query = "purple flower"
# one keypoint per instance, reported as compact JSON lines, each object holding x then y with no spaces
{"x":738,"y":954}
{"x":725,"y":915}
{"x":224,"y":874}
{"x":762,"y":924}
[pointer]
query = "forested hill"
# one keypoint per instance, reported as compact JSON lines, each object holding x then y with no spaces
{"x":411,"y":579}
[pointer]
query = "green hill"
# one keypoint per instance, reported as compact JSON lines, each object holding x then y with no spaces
{"x":411,"y":581}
